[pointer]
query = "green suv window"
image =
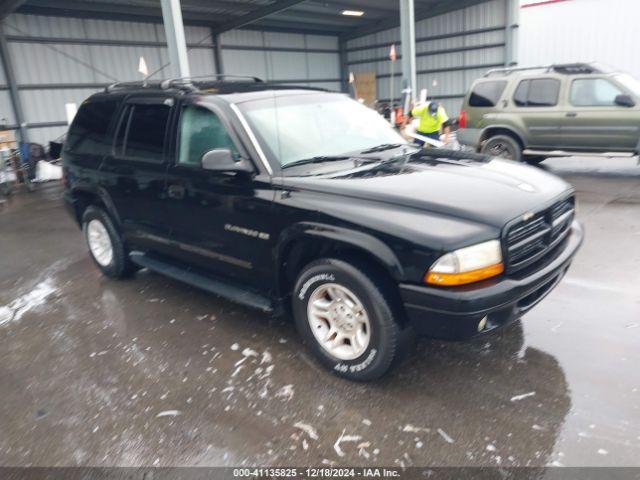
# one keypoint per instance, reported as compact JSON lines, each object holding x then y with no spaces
{"x":537,"y":92}
{"x":593,"y":92}
{"x":487,"y":94}
{"x":201,"y":130}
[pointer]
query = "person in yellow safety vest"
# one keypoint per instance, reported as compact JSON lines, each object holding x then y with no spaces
{"x":433,"y":121}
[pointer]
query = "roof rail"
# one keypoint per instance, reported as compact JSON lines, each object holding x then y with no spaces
{"x":187,"y":82}
{"x":565,"y":68}
{"x":141,"y":84}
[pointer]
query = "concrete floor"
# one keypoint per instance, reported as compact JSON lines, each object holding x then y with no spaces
{"x":89,"y":365}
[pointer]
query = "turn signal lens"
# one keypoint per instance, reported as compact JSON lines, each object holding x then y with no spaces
{"x":467,"y":265}
{"x":453,"y":279}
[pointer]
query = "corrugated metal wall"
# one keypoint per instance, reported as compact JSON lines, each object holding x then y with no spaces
{"x":581,"y":31}
{"x":452,"y":50}
{"x":64,"y":60}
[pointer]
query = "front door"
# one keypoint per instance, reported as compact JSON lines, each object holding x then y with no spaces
{"x":134,"y":173}
{"x":593,"y":120}
{"x":220,"y":220}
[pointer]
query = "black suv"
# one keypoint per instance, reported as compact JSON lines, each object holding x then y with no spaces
{"x":304,"y":201}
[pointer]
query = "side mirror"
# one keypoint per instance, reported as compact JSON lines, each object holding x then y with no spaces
{"x":624,"y":100}
{"x":221,"y":160}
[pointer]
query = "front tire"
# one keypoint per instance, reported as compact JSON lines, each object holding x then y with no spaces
{"x":349,"y":324}
{"x":105,"y":244}
{"x":503,"y":146}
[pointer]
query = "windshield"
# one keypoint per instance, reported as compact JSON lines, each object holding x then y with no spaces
{"x":630,"y":83}
{"x":299,"y":127}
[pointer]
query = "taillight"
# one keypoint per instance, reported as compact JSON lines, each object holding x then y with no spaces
{"x":462,"y":120}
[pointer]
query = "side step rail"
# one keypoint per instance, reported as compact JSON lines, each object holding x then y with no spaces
{"x":567,"y":153}
{"x":217,"y":287}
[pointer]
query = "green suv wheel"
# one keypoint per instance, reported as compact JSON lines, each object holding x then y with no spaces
{"x":503,"y":146}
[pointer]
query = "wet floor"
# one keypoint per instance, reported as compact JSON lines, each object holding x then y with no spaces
{"x":149,"y":371}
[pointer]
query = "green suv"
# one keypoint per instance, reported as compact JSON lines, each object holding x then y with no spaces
{"x":539,"y":112}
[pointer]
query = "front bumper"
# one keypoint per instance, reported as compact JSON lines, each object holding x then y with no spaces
{"x":454,"y":313}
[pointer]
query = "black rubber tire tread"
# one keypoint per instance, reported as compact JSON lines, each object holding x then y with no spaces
{"x":386,"y":333}
{"x":505,"y":139}
{"x":120,"y":266}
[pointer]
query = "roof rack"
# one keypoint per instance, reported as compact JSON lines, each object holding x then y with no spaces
{"x":138,"y":84}
{"x":182,"y":83}
{"x":187,"y":82}
{"x":564,"y":68}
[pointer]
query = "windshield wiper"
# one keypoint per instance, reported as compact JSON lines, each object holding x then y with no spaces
{"x":318,"y":159}
{"x":383,"y":147}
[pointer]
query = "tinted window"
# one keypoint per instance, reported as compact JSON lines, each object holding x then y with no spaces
{"x":88,"y":134}
{"x":144,"y":139}
{"x":486,"y":94}
{"x":200,"y":131}
{"x":539,"y":92}
{"x":520,"y":97}
{"x":593,"y":92}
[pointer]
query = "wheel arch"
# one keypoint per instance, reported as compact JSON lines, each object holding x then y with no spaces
{"x":494,"y":130}
{"x":303,"y":243}
{"x":86,"y":197}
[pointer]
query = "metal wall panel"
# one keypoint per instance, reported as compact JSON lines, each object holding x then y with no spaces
{"x":6,"y":110}
{"x":599,"y":31}
{"x":60,"y":67}
{"x":448,"y":61}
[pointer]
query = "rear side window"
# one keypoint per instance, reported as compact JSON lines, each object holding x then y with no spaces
{"x":142,"y":132}
{"x":539,"y":92}
{"x":89,"y":132}
{"x":486,"y":94}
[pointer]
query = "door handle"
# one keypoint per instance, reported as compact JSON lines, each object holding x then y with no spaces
{"x":176,"y":192}
{"x":572,"y":114}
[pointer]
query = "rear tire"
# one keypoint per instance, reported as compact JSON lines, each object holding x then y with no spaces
{"x":503,"y":146}
{"x":345,"y":318}
{"x":105,"y":244}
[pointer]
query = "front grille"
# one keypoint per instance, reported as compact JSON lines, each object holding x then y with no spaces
{"x":530,"y":240}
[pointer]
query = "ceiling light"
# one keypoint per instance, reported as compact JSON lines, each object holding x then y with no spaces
{"x":353,"y":13}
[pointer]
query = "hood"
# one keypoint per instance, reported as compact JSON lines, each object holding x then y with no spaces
{"x":493,"y":192}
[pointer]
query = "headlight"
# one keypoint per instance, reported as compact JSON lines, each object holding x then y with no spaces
{"x":467,"y":265}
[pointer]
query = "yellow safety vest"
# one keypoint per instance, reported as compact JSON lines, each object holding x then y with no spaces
{"x":429,"y":123}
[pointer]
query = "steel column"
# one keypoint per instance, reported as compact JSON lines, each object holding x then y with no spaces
{"x":7,"y":65}
{"x":174,"y":31}
{"x":344,"y":67}
{"x":511,"y":32}
{"x":408,"y":40}
{"x":217,"y":53}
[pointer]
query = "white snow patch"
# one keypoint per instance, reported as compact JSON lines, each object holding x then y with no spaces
{"x":490,"y":448}
{"x":235,"y":347}
{"x":602,"y":451}
{"x":366,"y":421}
{"x":15,"y":309}
{"x":413,"y":429}
{"x":266,"y":357}
{"x":344,"y":438}
{"x":522,"y":397}
{"x":444,"y":435}
{"x":169,"y":413}
{"x":285,"y":392}
{"x":308,"y":429}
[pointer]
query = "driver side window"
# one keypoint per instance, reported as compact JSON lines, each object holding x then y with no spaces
{"x":201,"y":130}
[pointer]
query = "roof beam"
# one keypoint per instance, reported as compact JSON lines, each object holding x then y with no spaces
{"x":258,"y":14}
{"x":439,"y":7}
{"x":7,"y":7}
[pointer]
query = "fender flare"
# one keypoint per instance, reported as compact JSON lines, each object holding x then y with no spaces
{"x":357,"y":239}
{"x":518,"y":135}
{"x":104,"y":197}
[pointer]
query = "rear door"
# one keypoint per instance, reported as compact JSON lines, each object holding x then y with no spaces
{"x":134,"y":174}
{"x":592,"y":120}
{"x":535,"y":102}
{"x":220,"y":221}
